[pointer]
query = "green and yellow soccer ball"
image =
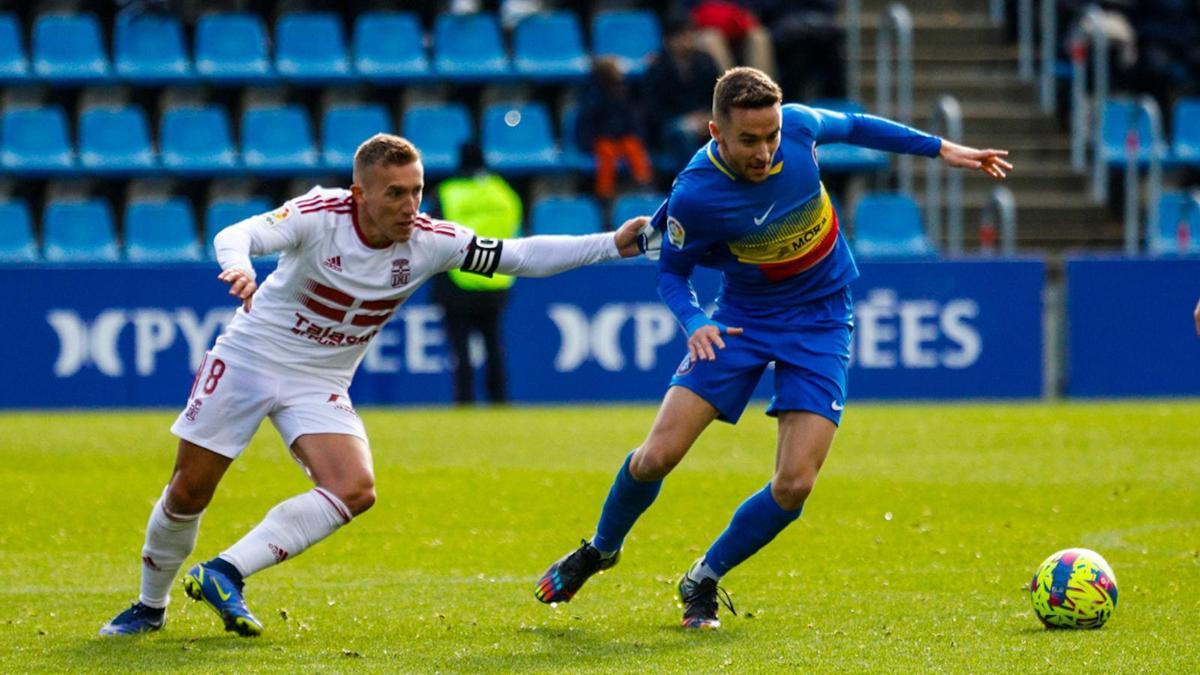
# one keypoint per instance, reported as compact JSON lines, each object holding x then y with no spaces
{"x":1074,"y":588}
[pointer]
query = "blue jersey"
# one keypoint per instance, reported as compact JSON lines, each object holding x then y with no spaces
{"x":777,"y":243}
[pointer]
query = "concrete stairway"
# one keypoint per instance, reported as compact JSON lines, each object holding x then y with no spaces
{"x":958,"y":51}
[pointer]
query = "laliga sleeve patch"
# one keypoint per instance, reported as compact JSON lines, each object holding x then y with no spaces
{"x":483,"y":256}
{"x":675,"y":231}
{"x":279,"y":216}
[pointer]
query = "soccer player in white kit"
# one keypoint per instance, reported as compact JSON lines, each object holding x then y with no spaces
{"x":349,"y":259}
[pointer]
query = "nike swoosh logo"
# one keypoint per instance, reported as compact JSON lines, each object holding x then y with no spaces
{"x":221,"y":591}
{"x":837,"y":406}
{"x":761,"y":219}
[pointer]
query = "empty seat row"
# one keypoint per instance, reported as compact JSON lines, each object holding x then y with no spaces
{"x":84,"y":231}
{"x":311,"y":47}
{"x":1183,"y":142}
{"x":517,"y":139}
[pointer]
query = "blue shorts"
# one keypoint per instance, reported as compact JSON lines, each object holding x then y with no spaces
{"x":809,"y":345}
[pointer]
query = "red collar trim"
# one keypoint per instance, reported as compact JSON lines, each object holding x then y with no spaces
{"x":359,"y":232}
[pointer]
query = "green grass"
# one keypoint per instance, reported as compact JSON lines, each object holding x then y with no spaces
{"x":913,"y":555}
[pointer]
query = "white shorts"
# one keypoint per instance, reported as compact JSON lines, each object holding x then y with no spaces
{"x":230,"y":398}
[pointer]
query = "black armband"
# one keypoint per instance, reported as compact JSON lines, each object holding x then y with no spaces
{"x":483,"y":256}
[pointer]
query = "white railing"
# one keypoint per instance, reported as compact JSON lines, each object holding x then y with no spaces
{"x":1000,"y":209}
{"x":946,"y":120}
{"x":896,"y":26}
{"x":1155,"y":150}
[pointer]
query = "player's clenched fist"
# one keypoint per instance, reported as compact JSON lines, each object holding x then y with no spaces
{"x":241,"y":285}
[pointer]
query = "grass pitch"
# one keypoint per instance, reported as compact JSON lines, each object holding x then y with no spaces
{"x":913,"y":554}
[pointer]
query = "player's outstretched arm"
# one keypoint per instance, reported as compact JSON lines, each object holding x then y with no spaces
{"x":989,"y":161}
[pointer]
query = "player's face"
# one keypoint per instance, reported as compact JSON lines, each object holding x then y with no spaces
{"x":391,"y":197}
{"x":748,"y":140}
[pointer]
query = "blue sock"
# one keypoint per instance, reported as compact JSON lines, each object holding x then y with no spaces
{"x":626,"y":501}
{"x":754,"y":525}
{"x":225,"y":567}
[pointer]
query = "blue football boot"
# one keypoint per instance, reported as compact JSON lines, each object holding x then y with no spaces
{"x":219,"y":592}
{"x":137,"y":619}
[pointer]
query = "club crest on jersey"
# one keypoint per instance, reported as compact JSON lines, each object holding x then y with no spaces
{"x":675,"y":233}
{"x":401,"y":272}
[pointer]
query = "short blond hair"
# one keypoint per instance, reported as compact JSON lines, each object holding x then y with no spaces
{"x":744,"y":88}
{"x":385,"y":150}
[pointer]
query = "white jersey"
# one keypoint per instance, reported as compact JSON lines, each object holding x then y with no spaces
{"x":332,"y":291}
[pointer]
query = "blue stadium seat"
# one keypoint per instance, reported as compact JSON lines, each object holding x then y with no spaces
{"x":439,"y":130}
{"x":565,"y":215}
{"x":197,"y":140}
{"x":889,"y":226}
{"x":161,"y":231}
{"x":632,"y":36}
{"x":14,"y":62}
{"x":518,"y":139}
{"x":17,"y":243}
{"x":115,"y":140}
{"x":400,"y":57}
{"x":549,"y":47}
{"x":1117,"y":114}
{"x":223,"y":213}
{"x":149,"y":47}
{"x":1185,"y":132}
{"x":1178,"y":226}
{"x":345,"y":127}
{"x":470,"y":48}
{"x":35,"y":140}
{"x":311,"y":47}
{"x":278,"y":139}
{"x":232,"y":47}
{"x":79,"y":232}
{"x":574,"y":157}
{"x":68,"y":48}
{"x":842,"y":157}
{"x":635,"y":204}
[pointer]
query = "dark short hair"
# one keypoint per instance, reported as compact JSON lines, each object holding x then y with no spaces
{"x":386,"y":150}
{"x":744,"y":88}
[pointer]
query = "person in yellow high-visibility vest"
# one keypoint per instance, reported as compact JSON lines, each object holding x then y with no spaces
{"x":473,"y":304}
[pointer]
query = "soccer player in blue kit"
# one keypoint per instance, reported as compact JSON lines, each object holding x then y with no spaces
{"x":751,"y":204}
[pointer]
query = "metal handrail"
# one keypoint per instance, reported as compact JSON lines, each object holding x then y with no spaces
{"x":996,"y":12}
{"x":854,"y":49}
{"x":1001,"y":206}
{"x":947,"y":120}
{"x":1149,"y":107}
{"x":1025,"y":40}
{"x":897,"y":25}
{"x":1090,"y":36}
{"x":1049,"y":27}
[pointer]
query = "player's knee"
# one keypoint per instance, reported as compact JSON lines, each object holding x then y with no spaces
{"x":791,"y":492}
{"x":648,"y":464}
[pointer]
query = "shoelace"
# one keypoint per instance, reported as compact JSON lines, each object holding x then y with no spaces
{"x":707,"y":593}
{"x":576,"y":563}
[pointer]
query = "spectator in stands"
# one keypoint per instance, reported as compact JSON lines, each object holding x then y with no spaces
{"x":728,"y":28}
{"x":679,"y":122}
{"x":608,"y":124}
{"x":808,"y":43}
{"x":473,"y":304}
{"x":1168,"y":37}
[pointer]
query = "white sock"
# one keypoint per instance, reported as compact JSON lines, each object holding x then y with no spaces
{"x":170,"y":538}
{"x":289,"y":528}
{"x":701,"y":571}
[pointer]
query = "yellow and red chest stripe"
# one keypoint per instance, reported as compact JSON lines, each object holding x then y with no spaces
{"x":792,"y":244}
